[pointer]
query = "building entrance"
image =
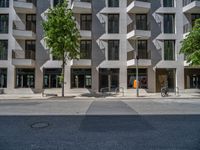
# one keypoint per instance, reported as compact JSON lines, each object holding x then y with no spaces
{"x":108,"y":79}
{"x":192,"y":78}
{"x":165,"y":77}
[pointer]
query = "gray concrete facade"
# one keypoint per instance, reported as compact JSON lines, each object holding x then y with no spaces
{"x":99,"y":9}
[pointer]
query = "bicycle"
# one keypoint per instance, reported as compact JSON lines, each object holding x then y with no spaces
{"x":164,"y":91}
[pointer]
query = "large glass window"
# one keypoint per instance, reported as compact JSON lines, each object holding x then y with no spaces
{"x":86,"y":21}
{"x":142,"y":77}
{"x":194,"y":17}
{"x":113,"y":50}
{"x":168,"y":3}
{"x":51,"y":78}
{"x":85,"y":49}
{"x":31,"y":22}
{"x":113,"y":3}
{"x":169,"y":23}
{"x":142,"y":49}
{"x":30,"y":49}
{"x":81,"y":78}
{"x":4,"y":3}
{"x":25,"y":78}
{"x":3,"y":49}
{"x":141,"y":21}
{"x":169,"y":50}
{"x":192,"y":78}
{"x":113,"y":23}
{"x":165,"y":78}
{"x":4,"y":19}
{"x":108,"y":79}
{"x":3,"y":77}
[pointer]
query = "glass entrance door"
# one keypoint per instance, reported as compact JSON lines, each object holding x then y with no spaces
{"x":108,"y":79}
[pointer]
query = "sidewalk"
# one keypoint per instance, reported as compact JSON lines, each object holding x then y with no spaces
{"x":90,"y":96}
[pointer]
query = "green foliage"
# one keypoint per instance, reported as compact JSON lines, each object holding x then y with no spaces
{"x":61,"y":33}
{"x":191,"y":45}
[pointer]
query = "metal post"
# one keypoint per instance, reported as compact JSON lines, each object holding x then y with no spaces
{"x":137,"y":88}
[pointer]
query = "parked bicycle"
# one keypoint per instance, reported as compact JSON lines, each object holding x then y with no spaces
{"x":164,"y":91}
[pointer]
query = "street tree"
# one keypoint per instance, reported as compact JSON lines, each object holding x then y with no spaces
{"x":61,"y":35}
{"x":191,"y":45}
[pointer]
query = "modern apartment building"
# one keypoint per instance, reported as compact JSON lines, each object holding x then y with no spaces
{"x":114,"y":34}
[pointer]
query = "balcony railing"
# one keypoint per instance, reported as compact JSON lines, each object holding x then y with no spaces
{"x":186,"y":2}
{"x":130,"y":1}
{"x":29,"y":54}
{"x":34,"y":2}
{"x":142,"y":26}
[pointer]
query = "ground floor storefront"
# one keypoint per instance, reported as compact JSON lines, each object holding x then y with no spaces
{"x":109,"y":79}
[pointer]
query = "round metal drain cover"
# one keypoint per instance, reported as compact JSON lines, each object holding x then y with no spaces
{"x":40,"y":125}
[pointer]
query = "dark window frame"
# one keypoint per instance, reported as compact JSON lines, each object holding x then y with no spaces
{"x":113,"y":50}
{"x":113,"y":23}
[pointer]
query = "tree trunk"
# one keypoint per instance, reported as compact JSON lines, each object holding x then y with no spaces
{"x":63,"y":77}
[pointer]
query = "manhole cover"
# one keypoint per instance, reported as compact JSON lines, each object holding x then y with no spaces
{"x":40,"y":125}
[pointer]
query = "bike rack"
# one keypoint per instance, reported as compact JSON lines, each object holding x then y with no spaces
{"x":119,"y":89}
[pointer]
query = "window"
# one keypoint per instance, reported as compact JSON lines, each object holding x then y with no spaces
{"x":113,"y":3}
{"x":141,"y":21}
{"x":108,"y":79}
{"x":85,"y":49}
{"x":56,"y":2}
{"x":32,"y":1}
{"x":3,"y":49}
{"x":31,"y":22}
{"x":3,"y":77}
{"x":169,"y":23}
{"x":142,"y":49}
{"x":113,"y":23}
{"x":51,"y":78}
{"x":25,"y":78}
{"x":86,"y":21}
{"x":4,"y":23}
{"x":169,"y":50}
{"x":30,"y":49}
{"x":81,"y":78}
{"x":4,"y":3}
{"x":194,"y":17}
{"x":113,"y":50}
{"x":168,"y":3}
{"x":142,"y":77}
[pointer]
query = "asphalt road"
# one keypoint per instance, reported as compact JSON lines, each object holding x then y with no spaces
{"x":100,"y":125}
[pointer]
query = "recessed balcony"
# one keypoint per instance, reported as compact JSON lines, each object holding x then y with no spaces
{"x":81,"y":6}
{"x":20,"y":58}
{"x":139,"y":6}
{"x":24,"y":6}
{"x":143,"y":31}
{"x":193,"y":6}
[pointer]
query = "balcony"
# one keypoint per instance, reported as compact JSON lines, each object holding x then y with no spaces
{"x":23,"y":34}
{"x":81,"y":62}
{"x":142,"y":31}
{"x":191,"y":6}
{"x":21,"y":58}
{"x":81,"y":6}
{"x":138,"y":6}
{"x":86,"y":34}
{"x":24,"y":6}
{"x":144,"y":60}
